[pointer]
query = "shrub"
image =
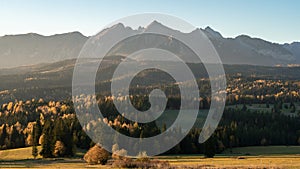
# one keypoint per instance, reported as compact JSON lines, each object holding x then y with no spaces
{"x":96,"y":155}
{"x":59,"y":149}
{"x":130,"y":163}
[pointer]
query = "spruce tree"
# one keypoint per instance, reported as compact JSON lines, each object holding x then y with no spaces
{"x":47,"y":145}
{"x":38,"y":131}
{"x":35,"y":142}
{"x":3,"y":135}
{"x":210,"y":147}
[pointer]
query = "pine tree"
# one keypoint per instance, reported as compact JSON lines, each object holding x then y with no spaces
{"x":35,"y":142}
{"x":58,"y":130}
{"x":244,"y":108}
{"x":3,"y":135}
{"x":47,"y":145}
{"x":292,"y":107}
{"x":62,"y":132}
{"x":210,"y":147}
{"x":38,"y":131}
{"x":13,"y":138}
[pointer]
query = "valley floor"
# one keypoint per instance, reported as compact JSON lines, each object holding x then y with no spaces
{"x":21,"y":158}
{"x":255,"y":162}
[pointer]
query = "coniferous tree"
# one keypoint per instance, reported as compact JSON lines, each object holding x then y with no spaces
{"x":14,"y":138}
{"x":35,"y":143}
{"x":3,"y":135}
{"x":47,"y":145}
{"x":63,"y":132}
{"x":244,"y":108}
{"x":38,"y":131}
{"x":210,"y":147}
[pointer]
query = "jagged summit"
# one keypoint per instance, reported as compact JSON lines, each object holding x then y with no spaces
{"x":212,"y":33}
{"x":155,"y":23}
{"x":157,"y":26}
{"x":118,"y":26}
{"x":32,"y":48}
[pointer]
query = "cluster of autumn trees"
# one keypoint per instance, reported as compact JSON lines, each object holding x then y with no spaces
{"x":55,"y":127}
{"x":255,"y":90}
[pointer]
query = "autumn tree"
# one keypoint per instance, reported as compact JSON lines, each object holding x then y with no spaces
{"x":96,"y":155}
{"x":59,"y":149}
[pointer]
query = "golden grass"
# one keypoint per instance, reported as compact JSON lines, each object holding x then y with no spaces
{"x":22,"y":158}
{"x":18,"y":154}
{"x":281,"y":161}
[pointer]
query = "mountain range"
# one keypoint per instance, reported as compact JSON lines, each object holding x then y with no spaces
{"x":31,"y":49}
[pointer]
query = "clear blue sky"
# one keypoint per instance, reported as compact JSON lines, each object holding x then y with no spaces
{"x":273,"y":20}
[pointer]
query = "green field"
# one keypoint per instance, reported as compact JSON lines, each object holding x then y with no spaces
{"x":260,"y":157}
{"x":169,"y":116}
{"x":264,"y":108}
{"x":265,"y":150}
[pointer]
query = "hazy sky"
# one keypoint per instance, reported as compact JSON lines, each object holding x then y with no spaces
{"x":273,"y":20}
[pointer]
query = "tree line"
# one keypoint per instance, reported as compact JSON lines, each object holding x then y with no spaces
{"x":55,"y":127}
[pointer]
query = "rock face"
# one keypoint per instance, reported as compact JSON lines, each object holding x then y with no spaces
{"x":30,"y":49}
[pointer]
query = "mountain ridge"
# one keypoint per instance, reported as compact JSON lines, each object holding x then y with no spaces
{"x":32,"y":48}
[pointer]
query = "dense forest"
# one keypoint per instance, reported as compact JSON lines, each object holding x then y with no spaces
{"x":54,"y":126}
{"x":262,"y":108}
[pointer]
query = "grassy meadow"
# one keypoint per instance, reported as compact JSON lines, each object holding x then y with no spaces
{"x":258,"y":157}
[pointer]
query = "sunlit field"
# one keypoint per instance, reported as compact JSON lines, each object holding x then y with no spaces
{"x":277,"y":157}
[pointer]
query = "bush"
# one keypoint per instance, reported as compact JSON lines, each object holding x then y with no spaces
{"x":130,"y":163}
{"x":143,"y":161}
{"x":96,"y":155}
{"x":59,"y":149}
